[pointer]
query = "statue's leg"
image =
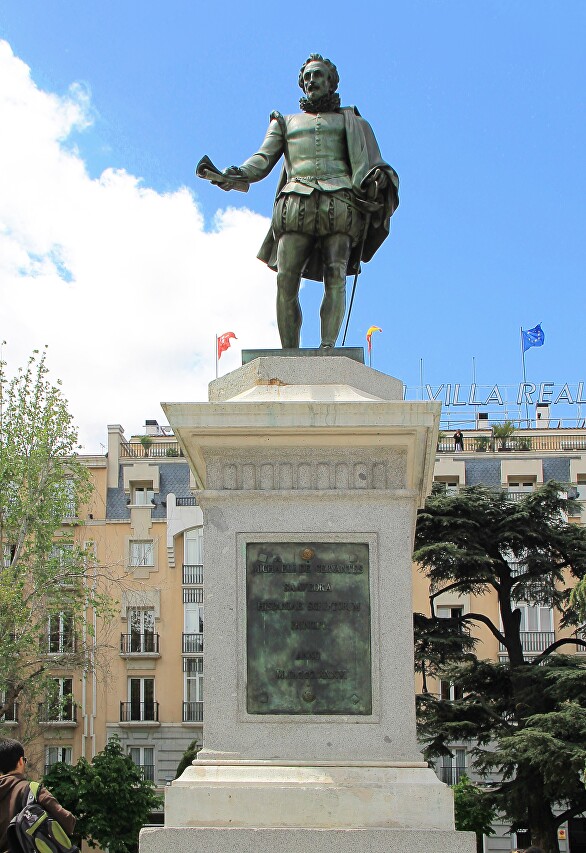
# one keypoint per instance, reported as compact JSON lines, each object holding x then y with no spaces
{"x":292,"y":254}
{"x":336,"y":254}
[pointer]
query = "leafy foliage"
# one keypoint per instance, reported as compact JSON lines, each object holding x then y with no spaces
{"x":188,"y":757}
{"x":111,"y":799}
{"x":473,"y":811}
{"x":526,"y":717}
{"x":43,"y":595}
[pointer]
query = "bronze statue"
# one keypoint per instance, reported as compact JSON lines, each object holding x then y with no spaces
{"x":334,"y":200}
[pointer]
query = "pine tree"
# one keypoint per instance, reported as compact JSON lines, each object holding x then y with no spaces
{"x":526,"y":717}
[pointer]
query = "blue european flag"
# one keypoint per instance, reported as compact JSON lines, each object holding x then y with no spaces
{"x":533,"y":337}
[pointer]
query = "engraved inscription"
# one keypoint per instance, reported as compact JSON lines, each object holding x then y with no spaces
{"x":308,"y":628}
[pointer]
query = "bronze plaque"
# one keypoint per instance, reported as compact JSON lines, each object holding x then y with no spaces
{"x":308,"y":628}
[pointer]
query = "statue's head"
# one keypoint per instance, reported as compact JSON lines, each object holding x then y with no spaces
{"x":318,"y":77}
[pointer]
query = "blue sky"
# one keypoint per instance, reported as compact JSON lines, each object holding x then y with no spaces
{"x":479,"y":106}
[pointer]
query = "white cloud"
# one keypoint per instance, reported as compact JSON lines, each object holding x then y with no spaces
{"x":122,"y":282}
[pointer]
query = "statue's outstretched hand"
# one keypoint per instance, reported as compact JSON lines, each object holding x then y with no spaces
{"x":236,"y":171}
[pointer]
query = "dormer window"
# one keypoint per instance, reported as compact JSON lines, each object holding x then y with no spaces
{"x":143,"y":495}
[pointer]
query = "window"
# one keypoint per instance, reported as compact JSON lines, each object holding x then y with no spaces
{"x":141,"y":629}
{"x":57,"y":755}
{"x":517,"y":488}
{"x":192,"y":621}
{"x":10,"y":715}
{"x":447,"y":611}
{"x":142,"y":552}
{"x":60,"y":707}
{"x":453,"y":767}
{"x":450,"y":692}
{"x":8,"y":552}
{"x":66,"y":493}
{"x":536,"y":628}
{"x":451,"y":486}
{"x":141,"y":696}
{"x":65,"y":563}
{"x":193,"y":547}
{"x":142,"y":495}
{"x":144,"y":758}
{"x":535,"y":618}
{"x":61,"y":636}
{"x":193,"y":690}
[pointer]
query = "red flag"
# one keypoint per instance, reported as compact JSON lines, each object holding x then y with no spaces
{"x":369,"y":336}
{"x":224,"y":342}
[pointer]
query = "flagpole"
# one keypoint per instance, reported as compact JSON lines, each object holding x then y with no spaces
{"x":216,"y":355}
{"x":370,"y":354}
{"x":524,"y":379}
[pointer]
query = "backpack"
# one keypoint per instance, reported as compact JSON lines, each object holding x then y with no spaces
{"x":32,"y":830}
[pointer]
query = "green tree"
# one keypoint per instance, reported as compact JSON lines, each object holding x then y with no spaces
{"x":526,"y":717}
{"x":110,"y":797}
{"x":472,"y":811}
{"x":44,"y":599}
{"x":188,"y":757}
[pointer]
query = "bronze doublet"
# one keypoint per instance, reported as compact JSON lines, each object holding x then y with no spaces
{"x":316,"y":154}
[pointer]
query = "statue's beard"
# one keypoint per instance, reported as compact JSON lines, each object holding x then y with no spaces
{"x":327,"y":104}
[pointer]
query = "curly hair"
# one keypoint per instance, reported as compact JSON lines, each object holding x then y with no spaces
{"x":333,"y":75}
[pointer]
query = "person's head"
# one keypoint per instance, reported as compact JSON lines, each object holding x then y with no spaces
{"x":318,"y":77}
{"x":11,"y":756}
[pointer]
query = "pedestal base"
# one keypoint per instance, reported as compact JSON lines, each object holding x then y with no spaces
{"x":302,"y":840}
{"x":324,"y":795}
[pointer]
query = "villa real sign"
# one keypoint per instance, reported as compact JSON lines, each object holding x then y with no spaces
{"x":545,"y":393}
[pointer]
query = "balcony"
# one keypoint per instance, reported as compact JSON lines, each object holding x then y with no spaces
{"x":515,"y":497}
{"x":156,"y":450}
{"x":451,"y":775}
{"x":58,"y":715}
{"x":192,"y":644}
{"x":547,"y":440}
{"x":136,"y":645}
{"x":533,"y":642}
{"x":192,"y":575}
{"x":49,"y":767}
{"x":139,"y":712}
{"x":193,"y":712}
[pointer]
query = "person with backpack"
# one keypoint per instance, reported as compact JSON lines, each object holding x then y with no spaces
{"x":14,"y":796}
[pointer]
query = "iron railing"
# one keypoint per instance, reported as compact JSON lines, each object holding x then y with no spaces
{"x":192,"y":574}
{"x":191,"y":501}
{"x":156,"y":450}
{"x":139,"y":644}
{"x":54,"y":713}
{"x":192,"y":643}
{"x":147,"y":771}
{"x":521,"y":441}
{"x":452,"y":775}
{"x":139,"y":712}
{"x":193,"y":712}
{"x":533,"y":642}
{"x":59,"y":643}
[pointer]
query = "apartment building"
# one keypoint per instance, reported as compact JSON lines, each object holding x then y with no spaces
{"x":145,"y":527}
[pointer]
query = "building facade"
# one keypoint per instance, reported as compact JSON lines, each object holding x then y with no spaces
{"x":144,"y":526}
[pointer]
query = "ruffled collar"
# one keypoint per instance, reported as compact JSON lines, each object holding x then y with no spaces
{"x":328,"y":104}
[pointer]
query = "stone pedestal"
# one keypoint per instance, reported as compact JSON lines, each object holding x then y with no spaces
{"x":310,"y":458}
